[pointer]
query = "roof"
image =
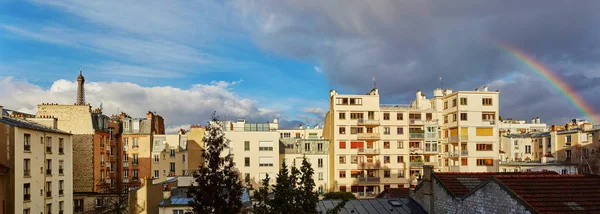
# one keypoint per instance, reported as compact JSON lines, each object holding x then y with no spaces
{"x":394,"y":193}
{"x":11,"y":121}
{"x":373,"y":206}
{"x":545,"y":192}
{"x":179,"y":197}
{"x":460,"y":184}
{"x":553,"y":193}
{"x":3,"y":168}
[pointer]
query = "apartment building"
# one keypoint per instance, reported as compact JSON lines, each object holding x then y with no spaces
{"x":195,"y":146}
{"x":169,"y":156}
{"x":255,"y":149}
{"x":531,"y":152}
{"x":302,"y":132}
{"x":316,"y":152}
{"x":36,"y":169}
{"x":471,"y":137}
{"x":510,"y":126}
{"x":137,"y":143}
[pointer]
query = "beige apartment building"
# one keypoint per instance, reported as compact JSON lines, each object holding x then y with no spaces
{"x":169,"y":156}
{"x":39,"y":159}
{"x":195,"y":146}
{"x":377,"y":146}
{"x":255,"y":149}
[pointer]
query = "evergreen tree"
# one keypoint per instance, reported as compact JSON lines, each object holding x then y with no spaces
{"x":262,"y":198}
{"x":218,"y":188}
{"x":308,"y":196}
{"x":284,"y":192}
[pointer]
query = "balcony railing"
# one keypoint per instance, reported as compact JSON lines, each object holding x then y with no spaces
{"x":368,"y":135}
{"x":26,"y":197}
{"x":125,"y":164}
{"x":431,"y":135}
{"x":452,"y":154}
{"x":489,"y":122}
{"x":434,"y":164}
{"x":27,"y":147}
{"x":453,"y":139}
{"x":416,"y":164}
{"x":369,"y":179}
{"x":464,"y":153}
{"x":415,"y":122}
{"x":135,"y":163}
{"x":417,"y":135}
{"x":368,"y":151}
{"x":27,"y":173}
{"x":370,"y":165}
{"x":368,"y":122}
{"x":125,"y":180}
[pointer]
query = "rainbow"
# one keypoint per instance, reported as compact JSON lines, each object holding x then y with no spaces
{"x":554,"y":80}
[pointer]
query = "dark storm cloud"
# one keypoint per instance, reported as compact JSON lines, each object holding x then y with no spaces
{"x":407,"y":45}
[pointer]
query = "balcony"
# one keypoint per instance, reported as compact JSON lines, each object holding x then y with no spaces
{"x":125,"y":180}
{"x":416,"y":164}
{"x":368,"y":122}
{"x":464,"y":153}
{"x":452,"y":154}
{"x":369,"y":180}
{"x":488,"y":122}
{"x":27,"y":148}
{"x":126,"y":164}
{"x":135,"y":163}
{"x":370,"y":165}
{"x":364,"y":151}
{"x":453,"y":139}
{"x":368,"y":136}
{"x":416,"y":150}
{"x":48,"y":171}
{"x":417,"y":135}
{"x":431,"y":136}
{"x":415,"y":122}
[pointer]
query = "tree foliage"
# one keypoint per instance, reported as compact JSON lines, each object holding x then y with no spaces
{"x":217,"y":188}
{"x":586,"y":158}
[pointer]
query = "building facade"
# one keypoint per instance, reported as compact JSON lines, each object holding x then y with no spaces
{"x":40,"y":179}
{"x":316,"y":152}
{"x":169,"y":156}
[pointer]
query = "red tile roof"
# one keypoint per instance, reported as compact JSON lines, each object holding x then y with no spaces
{"x":546,"y":192}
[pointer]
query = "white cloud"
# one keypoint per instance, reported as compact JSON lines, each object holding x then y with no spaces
{"x":179,"y":107}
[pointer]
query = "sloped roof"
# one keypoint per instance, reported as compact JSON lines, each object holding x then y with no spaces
{"x":553,"y":193}
{"x":11,"y":121}
{"x":394,"y":193}
{"x":373,"y":206}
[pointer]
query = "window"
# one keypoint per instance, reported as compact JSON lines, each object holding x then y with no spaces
{"x":78,"y":205}
{"x":488,"y":116}
{"x":172,"y":168}
{"x":246,"y":145}
{"x":342,"y":145}
{"x":484,"y":147}
{"x":568,"y":139}
{"x":463,"y":116}
{"x":48,"y":189}
{"x":445,"y":118}
{"x":356,"y":145}
{"x":386,"y":159}
{"x":320,"y":147}
{"x":454,"y":102}
{"x":486,"y":101}
{"x":400,"y":159}
{"x":463,"y":101}
{"x":399,"y":116}
{"x":265,"y":146}
{"x":386,"y":130}
{"x":386,"y":116}
{"x":400,"y":145}
{"x":125,"y":142}
{"x":453,"y":117}
{"x":27,"y":142}
{"x":320,"y":162}
{"x":356,"y":116}
{"x":568,"y":154}
{"x":307,"y":147}
{"x":136,"y":174}
{"x":178,"y":212}
{"x":564,"y":172}
{"x":183,"y":157}
{"x":286,"y":135}
{"x":342,"y":159}
{"x":135,"y":159}
{"x":320,"y":176}
{"x":354,"y":159}
{"x":26,"y":211}
{"x":26,"y":192}
{"x":342,"y":130}
{"x":135,"y":143}
{"x":355,"y":101}
{"x":342,"y":116}
{"x":26,"y":167}
{"x":172,"y":153}
{"x":356,"y":130}
{"x":342,"y":174}
{"x":387,"y":173}
{"x":61,"y":187}
{"x":484,"y":132}
{"x":247,"y":161}
{"x":464,"y":161}
{"x":265,"y":161}
{"x":342,"y":188}
{"x":528,"y":149}
{"x":485,"y":162}
{"x":99,"y":202}
{"x":49,"y":208}
{"x":400,"y":173}
{"x":156,"y":158}
{"x":48,"y":167}
{"x":156,"y":175}
{"x":48,"y":145}
{"x":428,"y":116}
{"x":61,"y":208}
{"x":386,"y":145}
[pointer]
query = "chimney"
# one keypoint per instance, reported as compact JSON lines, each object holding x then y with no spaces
{"x":533,"y":120}
{"x":428,"y":194}
{"x":538,"y":120}
{"x":574,"y":121}
{"x":300,"y":127}
{"x":418,"y":98}
{"x":484,"y":88}
{"x":275,"y":121}
{"x":307,"y":126}
{"x":476,"y":89}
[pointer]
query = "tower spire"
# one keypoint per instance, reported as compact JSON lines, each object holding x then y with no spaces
{"x":80,"y":88}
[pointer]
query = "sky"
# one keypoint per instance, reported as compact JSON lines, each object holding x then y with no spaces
{"x":265,"y":59}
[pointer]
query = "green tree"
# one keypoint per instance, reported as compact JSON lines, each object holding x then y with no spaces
{"x":284,"y":192}
{"x":262,"y":198}
{"x":308,"y":197}
{"x":217,"y":188}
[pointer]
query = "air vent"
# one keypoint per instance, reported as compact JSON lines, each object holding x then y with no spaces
{"x":395,"y":203}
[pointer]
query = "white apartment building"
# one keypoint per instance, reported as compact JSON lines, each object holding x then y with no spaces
{"x":316,"y":152}
{"x":169,"y":156}
{"x":375,"y":145}
{"x":302,"y":132}
{"x":255,"y":149}
{"x":510,"y":126}
{"x":40,"y":179}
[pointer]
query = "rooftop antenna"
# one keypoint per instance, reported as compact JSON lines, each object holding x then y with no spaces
{"x":441,"y":82}
{"x":374,"y":82}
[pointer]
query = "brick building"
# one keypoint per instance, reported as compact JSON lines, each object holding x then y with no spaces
{"x":522,"y":192}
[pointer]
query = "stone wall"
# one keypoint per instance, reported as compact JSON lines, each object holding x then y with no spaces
{"x":76,"y":119}
{"x":83,"y":157}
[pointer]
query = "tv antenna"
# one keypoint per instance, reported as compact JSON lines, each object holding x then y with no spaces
{"x":374,"y":82}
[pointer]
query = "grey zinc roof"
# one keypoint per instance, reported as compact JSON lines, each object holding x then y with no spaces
{"x":11,"y":121}
{"x":373,"y":206}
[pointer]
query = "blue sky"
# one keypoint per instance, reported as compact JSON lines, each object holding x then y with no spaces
{"x":261,"y":59}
